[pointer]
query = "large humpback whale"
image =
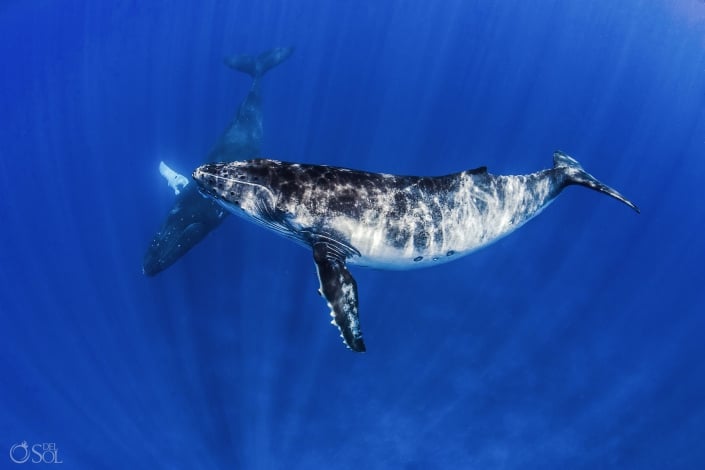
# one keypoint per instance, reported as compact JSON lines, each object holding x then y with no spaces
{"x":384,"y":221}
{"x":192,"y":216}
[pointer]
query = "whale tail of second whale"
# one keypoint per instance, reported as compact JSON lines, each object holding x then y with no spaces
{"x":259,"y":65}
{"x":573,"y":173}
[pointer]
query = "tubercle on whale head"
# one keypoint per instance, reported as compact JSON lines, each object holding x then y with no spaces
{"x":223,"y":182}
{"x":210,"y":178}
{"x":202,"y":174}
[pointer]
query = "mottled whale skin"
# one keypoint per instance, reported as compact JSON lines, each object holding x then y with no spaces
{"x":192,"y":217}
{"x":384,"y":221}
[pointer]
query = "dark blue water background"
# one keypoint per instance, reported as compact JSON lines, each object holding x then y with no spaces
{"x":577,"y":342}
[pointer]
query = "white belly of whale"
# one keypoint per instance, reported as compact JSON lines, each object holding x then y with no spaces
{"x":376,"y":251}
{"x":461,"y":236}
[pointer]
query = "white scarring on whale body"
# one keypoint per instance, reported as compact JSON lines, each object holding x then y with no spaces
{"x":384,"y":221}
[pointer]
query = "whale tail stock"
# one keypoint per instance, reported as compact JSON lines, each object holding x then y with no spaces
{"x":573,"y":173}
{"x":257,"y":66}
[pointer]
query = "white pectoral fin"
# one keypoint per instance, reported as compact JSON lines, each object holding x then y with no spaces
{"x":340,"y":291}
{"x":176,"y":181}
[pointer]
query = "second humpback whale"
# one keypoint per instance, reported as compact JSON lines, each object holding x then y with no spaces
{"x":192,"y":216}
{"x":384,"y":221}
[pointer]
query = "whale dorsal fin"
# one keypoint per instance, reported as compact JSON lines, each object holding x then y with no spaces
{"x":482,"y":170}
{"x":339,"y":289}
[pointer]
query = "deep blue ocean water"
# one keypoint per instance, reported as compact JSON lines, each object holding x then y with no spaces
{"x":576,"y":342}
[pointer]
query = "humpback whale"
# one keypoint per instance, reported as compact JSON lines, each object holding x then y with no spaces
{"x":348,"y":217}
{"x":192,"y":216}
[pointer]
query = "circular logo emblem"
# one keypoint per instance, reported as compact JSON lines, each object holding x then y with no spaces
{"x":19,"y":453}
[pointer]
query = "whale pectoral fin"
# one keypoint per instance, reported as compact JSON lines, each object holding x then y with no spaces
{"x":176,"y":181}
{"x":339,"y":288}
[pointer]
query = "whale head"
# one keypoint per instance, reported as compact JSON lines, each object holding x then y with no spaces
{"x":216,"y":181}
{"x":240,"y":186}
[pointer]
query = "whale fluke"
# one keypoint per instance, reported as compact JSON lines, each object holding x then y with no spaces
{"x":258,"y":66}
{"x":574,"y":174}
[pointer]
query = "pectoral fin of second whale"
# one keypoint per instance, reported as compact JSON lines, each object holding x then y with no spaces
{"x":339,"y":288}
